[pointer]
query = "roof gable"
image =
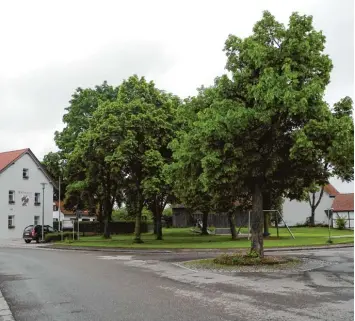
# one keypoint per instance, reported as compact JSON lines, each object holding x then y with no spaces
{"x":65,"y":211}
{"x":343,"y":203}
{"x":7,"y":158}
{"x":331,"y":190}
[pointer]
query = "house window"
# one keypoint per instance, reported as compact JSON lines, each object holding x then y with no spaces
{"x":11,"y":221}
{"x":25,"y":173}
{"x":11,"y":197}
{"x":37,"y":199}
{"x":36,"y":220}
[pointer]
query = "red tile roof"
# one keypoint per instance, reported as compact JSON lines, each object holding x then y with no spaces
{"x":68,"y":212}
{"x":343,"y":203}
{"x":331,"y":190}
{"x":7,"y":158}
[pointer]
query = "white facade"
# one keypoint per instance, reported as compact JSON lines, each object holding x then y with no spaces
{"x":23,"y":211}
{"x":69,"y":217}
{"x":347,"y":216}
{"x":295,"y":212}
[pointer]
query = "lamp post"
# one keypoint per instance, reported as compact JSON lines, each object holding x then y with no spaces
{"x":59,"y":211}
{"x":43,"y":187}
{"x":330,"y":214}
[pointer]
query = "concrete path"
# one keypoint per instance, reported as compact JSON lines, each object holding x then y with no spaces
{"x":45,"y":284}
{"x":5,"y":313}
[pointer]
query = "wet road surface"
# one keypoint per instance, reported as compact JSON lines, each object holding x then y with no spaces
{"x":58,"y":285}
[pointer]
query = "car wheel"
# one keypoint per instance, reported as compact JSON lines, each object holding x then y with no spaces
{"x":28,"y":241}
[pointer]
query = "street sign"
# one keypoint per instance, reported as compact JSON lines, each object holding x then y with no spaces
{"x":78,"y":214}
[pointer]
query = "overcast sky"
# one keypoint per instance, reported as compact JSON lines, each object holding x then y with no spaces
{"x":49,"y":48}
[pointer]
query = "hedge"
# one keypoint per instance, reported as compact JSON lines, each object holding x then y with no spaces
{"x":50,"y":237}
{"x":120,"y":227}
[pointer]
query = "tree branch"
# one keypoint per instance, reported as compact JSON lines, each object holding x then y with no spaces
{"x":320,"y":197}
{"x":313,"y":199}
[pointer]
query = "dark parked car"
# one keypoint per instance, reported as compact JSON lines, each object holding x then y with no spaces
{"x":32,"y":232}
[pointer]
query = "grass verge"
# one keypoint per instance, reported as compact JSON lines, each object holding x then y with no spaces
{"x":183,"y":238}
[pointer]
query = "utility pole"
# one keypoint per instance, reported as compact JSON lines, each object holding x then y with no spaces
{"x":43,"y":187}
{"x":60,"y":227}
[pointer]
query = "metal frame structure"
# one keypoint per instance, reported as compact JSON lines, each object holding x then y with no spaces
{"x":277,"y":226}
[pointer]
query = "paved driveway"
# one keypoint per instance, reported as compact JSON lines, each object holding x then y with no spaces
{"x":44,"y":284}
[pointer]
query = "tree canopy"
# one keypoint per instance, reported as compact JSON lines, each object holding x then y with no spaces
{"x":254,"y":133}
{"x":261,"y":132}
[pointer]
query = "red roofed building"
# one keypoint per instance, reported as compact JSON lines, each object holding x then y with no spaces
{"x":22,"y":201}
{"x":343,"y":206}
{"x":295,"y":212}
{"x":66,"y":216}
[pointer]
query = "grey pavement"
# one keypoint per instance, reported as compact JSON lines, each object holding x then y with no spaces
{"x":44,"y":284}
{"x":5,"y":312}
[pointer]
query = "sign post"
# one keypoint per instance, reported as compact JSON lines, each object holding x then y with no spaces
{"x":78,"y":216}
{"x":330,"y":213}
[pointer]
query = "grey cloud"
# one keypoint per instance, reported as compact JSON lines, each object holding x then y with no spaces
{"x":337,"y":20}
{"x":37,"y":101}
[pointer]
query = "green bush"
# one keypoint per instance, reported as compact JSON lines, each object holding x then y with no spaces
{"x":51,"y":237}
{"x":122,"y":214}
{"x":341,"y":222}
{"x":168,"y":211}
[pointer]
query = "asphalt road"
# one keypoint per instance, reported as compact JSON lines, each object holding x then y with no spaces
{"x":56,"y":285}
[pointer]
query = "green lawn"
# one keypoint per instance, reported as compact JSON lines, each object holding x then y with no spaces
{"x":183,"y":238}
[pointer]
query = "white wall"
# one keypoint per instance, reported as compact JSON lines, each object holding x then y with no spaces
{"x":348,"y":216}
{"x":11,"y":179}
{"x":295,"y":212}
{"x":69,"y":217}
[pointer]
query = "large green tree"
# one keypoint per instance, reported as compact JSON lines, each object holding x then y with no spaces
{"x":132,"y":134}
{"x":83,"y":104}
{"x":102,"y":181}
{"x":185,"y":170}
{"x":251,"y":133}
{"x":329,"y":141}
{"x":77,"y":118}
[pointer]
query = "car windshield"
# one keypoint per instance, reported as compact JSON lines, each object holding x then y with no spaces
{"x":28,"y":228}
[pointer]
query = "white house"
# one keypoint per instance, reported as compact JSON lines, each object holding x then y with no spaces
{"x":66,"y":216}
{"x":26,"y":192}
{"x":343,"y":207}
{"x":295,"y":212}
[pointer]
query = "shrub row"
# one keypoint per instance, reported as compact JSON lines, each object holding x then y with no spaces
{"x":51,"y":237}
{"x":249,"y":259}
{"x":120,"y":227}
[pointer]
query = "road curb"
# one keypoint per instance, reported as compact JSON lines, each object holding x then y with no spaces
{"x":5,"y":312}
{"x":171,"y":251}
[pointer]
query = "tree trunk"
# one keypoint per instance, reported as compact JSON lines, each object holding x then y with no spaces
{"x":137,"y":227}
{"x":159,"y":226}
{"x":107,"y":218}
{"x":312,"y":218}
{"x":106,"y":228}
{"x":204,"y":223}
{"x":257,"y":242}
{"x":232,"y":225}
{"x":155,"y":223}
